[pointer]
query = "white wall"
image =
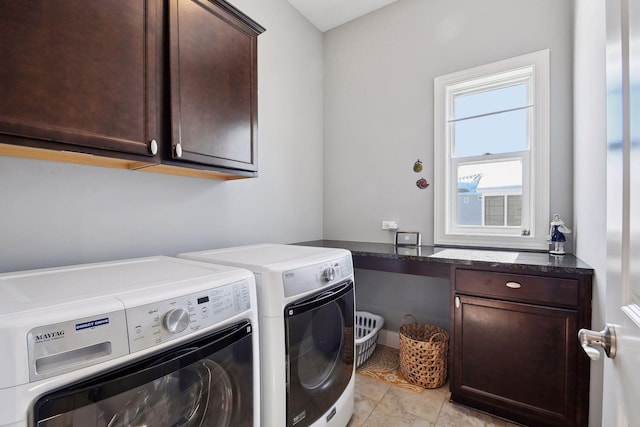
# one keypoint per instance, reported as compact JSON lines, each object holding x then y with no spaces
{"x":378,"y":109}
{"x":590,"y":196}
{"x":55,"y":213}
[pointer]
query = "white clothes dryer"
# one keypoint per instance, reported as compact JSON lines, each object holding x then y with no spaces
{"x":307,"y":313}
{"x":153,"y":341}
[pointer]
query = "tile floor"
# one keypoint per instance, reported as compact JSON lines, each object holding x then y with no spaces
{"x":378,"y":404}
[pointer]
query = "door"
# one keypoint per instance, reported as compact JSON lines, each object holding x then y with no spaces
{"x":214,"y":84}
{"x":204,"y":382}
{"x":320,"y":353}
{"x":496,"y":341}
{"x":80,"y":74}
{"x":621,"y":374}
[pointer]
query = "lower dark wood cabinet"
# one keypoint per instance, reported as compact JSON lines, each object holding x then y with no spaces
{"x":516,"y":354}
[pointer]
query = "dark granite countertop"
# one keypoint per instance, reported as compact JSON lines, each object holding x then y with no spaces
{"x":534,"y":262}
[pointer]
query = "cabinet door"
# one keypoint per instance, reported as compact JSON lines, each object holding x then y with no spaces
{"x":213,"y":74}
{"x":78,"y":73}
{"x":515,"y":360}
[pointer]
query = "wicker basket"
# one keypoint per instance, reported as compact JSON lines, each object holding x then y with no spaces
{"x":368,"y":327}
{"x":423,"y":353}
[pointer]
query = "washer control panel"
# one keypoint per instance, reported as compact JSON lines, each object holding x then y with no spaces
{"x":302,"y":280}
{"x":63,"y":347}
{"x":156,"y":323}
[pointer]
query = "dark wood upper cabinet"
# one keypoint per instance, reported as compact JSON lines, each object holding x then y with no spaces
{"x":79,"y":73}
{"x":166,"y":86}
{"x":213,"y":75}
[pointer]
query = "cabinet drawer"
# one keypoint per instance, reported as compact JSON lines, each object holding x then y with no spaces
{"x":518,"y":287}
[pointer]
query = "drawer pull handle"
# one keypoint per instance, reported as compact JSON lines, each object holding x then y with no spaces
{"x":513,"y":285}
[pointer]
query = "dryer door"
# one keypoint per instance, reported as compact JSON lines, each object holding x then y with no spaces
{"x":320,"y":353}
{"x":206,"y":382}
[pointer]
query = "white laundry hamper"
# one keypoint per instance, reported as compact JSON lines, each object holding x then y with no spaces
{"x":368,"y":326}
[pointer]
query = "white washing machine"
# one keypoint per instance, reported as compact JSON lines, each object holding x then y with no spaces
{"x":152,"y":341}
{"x":307,"y":313}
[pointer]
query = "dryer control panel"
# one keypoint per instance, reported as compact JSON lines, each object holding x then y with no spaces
{"x":301,"y":280}
{"x":156,"y":323}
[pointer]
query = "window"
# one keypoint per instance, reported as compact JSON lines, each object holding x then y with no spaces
{"x":491,"y":152}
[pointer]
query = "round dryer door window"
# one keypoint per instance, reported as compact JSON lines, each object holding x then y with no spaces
{"x":319,"y":348}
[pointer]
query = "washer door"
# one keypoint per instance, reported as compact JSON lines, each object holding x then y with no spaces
{"x":320,"y":345}
{"x":180,"y":399}
{"x":205,"y":383}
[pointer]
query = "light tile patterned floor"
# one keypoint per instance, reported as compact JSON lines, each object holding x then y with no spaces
{"x":378,"y":404}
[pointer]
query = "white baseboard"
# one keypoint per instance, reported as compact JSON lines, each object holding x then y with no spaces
{"x":389,"y":338}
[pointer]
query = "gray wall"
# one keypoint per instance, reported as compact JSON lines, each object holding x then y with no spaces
{"x":56,"y":213}
{"x":378,"y":106}
{"x":393,"y":295}
{"x":378,"y":120}
{"x":590,"y":191}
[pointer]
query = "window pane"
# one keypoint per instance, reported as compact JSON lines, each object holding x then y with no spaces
{"x":490,"y":185}
{"x":494,"y":210}
{"x":490,"y":101}
{"x":514,"y":211}
{"x":498,"y":133}
{"x":490,"y":176}
{"x":469,"y":209}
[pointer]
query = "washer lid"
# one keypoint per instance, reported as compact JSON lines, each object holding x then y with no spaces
{"x":268,"y":255}
{"x":150,"y":278}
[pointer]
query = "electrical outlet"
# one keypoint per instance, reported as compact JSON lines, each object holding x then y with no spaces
{"x":389,"y":225}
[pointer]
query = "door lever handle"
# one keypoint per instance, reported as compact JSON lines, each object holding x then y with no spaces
{"x":592,"y":340}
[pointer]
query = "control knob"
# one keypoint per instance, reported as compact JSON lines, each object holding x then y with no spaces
{"x":329,"y":274}
{"x":176,"y":320}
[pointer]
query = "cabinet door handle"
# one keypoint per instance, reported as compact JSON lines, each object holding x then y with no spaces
{"x":153,"y":147}
{"x":457,"y":301}
{"x":513,"y":285}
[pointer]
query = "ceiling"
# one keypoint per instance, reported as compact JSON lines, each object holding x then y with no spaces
{"x":328,"y":14}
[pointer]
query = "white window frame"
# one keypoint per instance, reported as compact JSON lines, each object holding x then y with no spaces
{"x":532,"y":68}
